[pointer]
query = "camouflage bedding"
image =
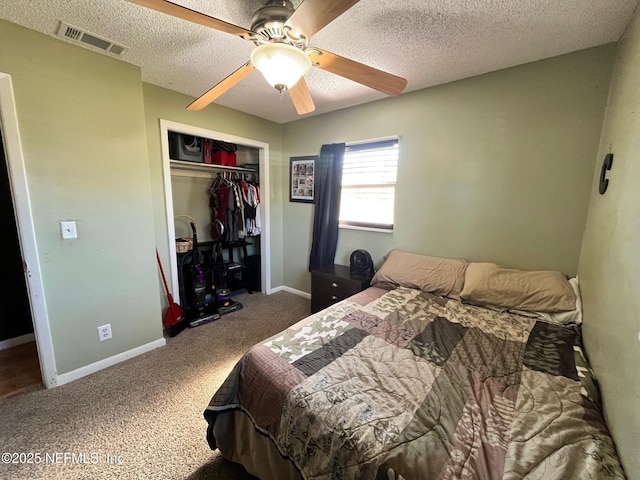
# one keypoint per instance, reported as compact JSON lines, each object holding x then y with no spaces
{"x":402,"y":384}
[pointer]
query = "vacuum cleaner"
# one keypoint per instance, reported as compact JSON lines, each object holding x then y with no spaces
{"x":223,"y":293}
{"x":200,"y":293}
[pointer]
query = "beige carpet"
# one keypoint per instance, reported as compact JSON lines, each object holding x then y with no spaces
{"x":145,"y":414}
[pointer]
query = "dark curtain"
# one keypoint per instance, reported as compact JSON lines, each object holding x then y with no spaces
{"x":328,"y":186}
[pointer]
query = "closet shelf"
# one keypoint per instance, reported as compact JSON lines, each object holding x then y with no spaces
{"x":205,"y":167}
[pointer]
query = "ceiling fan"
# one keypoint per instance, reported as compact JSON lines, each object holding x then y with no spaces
{"x":283,"y":55}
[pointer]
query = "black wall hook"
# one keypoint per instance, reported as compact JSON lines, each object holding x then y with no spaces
{"x":606,"y":165}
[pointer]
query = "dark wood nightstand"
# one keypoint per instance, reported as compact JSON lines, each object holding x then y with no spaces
{"x":333,"y":283}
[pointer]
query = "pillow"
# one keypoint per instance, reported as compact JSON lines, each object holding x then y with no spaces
{"x":572,"y":316}
{"x":541,"y":291}
{"x":437,"y":275}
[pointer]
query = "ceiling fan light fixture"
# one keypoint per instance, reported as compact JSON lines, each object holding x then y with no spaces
{"x":282,"y":65}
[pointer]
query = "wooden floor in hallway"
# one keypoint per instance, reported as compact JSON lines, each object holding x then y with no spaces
{"x":19,"y":369}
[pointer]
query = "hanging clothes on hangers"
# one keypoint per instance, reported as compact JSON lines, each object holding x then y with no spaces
{"x":219,"y":191}
{"x":234,"y":200}
{"x":251,"y":199}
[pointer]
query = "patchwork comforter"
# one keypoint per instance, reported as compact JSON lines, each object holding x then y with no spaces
{"x":402,"y":384}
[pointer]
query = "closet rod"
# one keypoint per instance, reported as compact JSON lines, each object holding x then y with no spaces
{"x":207,"y":166}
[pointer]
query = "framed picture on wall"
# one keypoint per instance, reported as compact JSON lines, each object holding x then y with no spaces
{"x":302,"y":179}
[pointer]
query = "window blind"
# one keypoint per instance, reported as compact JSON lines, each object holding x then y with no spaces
{"x":368,"y":184}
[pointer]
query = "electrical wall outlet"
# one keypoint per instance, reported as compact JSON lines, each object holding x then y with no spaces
{"x":104,"y":332}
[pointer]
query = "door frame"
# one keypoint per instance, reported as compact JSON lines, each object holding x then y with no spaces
{"x":26,"y":231}
{"x":263,"y":155}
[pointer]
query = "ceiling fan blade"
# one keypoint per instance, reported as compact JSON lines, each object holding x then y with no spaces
{"x":358,"y":72}
{"x":301,"y":97}
{"x":221,"y":87}
{"x":313,"y":15}
{"x":193,"y":16}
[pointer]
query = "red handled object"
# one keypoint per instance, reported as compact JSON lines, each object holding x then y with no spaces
{"x":173,"y":316}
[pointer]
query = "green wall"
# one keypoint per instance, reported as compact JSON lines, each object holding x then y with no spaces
{"x":168,"y":105}
{"x":492,"y":168}
{"x":191,"y":197}
{"x":610,"y":259}
{"x":81,"y":118}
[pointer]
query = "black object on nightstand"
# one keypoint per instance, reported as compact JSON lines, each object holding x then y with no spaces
{"x":333,"y":283}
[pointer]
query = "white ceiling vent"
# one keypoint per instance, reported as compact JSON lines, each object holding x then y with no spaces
{"x":77,"y":35}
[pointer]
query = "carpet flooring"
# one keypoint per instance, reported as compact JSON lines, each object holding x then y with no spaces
{"x":143,"y":418}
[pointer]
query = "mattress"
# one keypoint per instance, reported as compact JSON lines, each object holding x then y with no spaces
{"x":403,"y":384}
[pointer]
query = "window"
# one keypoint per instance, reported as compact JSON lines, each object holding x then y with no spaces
{"x":369,"y":184}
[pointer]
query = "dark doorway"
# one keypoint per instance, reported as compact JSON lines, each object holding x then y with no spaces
{"x":13,"y":287}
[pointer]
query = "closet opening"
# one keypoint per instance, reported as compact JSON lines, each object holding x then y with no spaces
{"x":194,"y":184}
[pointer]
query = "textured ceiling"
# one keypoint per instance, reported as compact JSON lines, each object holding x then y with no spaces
{"x":428,"y":42}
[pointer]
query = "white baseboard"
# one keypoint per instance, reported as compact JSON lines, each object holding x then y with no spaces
{"x":107,"y":362}
{"x":14,"y":342}
{"x":284,"y":288}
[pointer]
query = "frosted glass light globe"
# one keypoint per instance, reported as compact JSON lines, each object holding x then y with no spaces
{"x":281,"y":65}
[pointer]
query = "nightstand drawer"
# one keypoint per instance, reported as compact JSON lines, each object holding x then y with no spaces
{"x":323,"y":298}
{"x":333,"y":283}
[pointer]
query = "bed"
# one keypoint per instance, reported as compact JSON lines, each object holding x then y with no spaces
{"x":437,"y":371}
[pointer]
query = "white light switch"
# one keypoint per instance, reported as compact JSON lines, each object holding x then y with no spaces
{"x":68,"y":230}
